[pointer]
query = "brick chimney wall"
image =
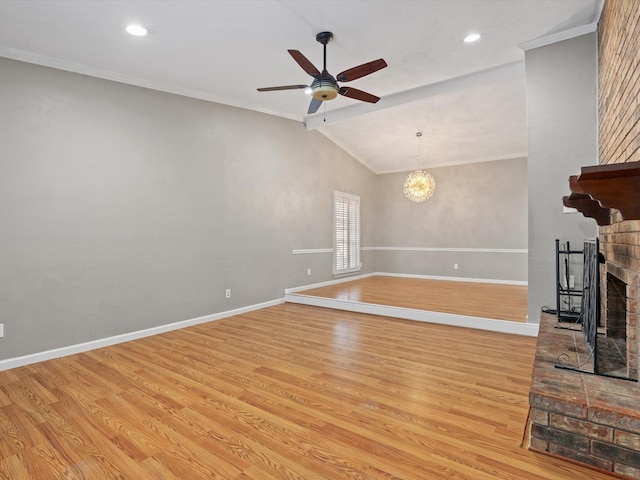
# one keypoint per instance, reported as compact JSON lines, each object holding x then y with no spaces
{"x":619,"y":82}
{"x":619,"y":138}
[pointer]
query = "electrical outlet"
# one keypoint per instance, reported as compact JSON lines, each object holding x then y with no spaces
{"x":455,"y":266}
{"x":1,"y":330}
{"x":227,"y":293}
{"x":308,"y":271}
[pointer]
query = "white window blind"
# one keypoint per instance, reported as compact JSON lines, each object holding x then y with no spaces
{"x":346,"y":233}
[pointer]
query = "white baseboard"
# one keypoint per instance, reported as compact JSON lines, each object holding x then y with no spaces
{"x":455,"y":279}
{"x":502,"y":326}
{"x":330,"y":282}
{"x":404,"y":275}
{"x":105,"y":342}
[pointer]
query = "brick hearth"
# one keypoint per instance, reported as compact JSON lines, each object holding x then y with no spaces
{"x":587,"y":418}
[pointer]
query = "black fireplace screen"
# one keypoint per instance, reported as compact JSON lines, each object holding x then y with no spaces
{"x":591,"y":296}
{"x":603,"y":356}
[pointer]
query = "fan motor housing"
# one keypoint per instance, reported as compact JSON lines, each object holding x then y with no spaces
{"x":324,"y":89}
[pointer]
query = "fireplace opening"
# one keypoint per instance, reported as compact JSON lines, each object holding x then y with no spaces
{"x":612,"y":346}
{"x":616,"y":317}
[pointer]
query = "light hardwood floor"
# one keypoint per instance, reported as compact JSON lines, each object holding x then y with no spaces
{"x":286,"y":392}
{"x":486,"y":300}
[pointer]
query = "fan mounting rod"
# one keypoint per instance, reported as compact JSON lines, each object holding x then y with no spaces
{"x":324,"y":87}
{"x":324,"y":38}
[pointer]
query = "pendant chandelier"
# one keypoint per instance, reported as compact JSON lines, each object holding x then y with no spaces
{"x":419,"y":185}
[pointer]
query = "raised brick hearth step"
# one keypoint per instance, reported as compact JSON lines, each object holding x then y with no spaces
{"x":586,"y":418}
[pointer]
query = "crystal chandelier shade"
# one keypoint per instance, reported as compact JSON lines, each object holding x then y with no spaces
{"x":419,"y":186}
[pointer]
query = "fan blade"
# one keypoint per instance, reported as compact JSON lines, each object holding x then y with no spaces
{"x":361,"y":70}
{"x":358,"y":94}
{"x":314,"y":105}
{"x":283,"y":87}
{"x":306,"y":65}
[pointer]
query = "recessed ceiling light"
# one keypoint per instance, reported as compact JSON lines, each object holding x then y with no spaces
{"x":472,"y":37}
{"x":137,"y":30}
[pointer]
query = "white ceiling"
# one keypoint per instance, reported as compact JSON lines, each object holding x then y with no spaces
{"x":468,"y":99}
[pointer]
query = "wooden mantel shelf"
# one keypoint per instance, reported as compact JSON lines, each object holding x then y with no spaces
{"x":611,"y":186}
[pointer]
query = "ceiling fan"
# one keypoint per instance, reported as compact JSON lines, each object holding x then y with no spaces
{"x":325,"y":86}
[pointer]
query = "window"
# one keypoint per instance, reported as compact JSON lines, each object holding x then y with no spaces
{"x":346,"y":233}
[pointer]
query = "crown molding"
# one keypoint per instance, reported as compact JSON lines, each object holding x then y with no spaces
{"x":51,"y":62}
{"x":598,"y":12}
{"x":558,"y":37}
{"x":454,"y":163}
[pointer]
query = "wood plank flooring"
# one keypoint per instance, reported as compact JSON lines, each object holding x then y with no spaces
{"x":286,"y":392}
{"x":485,"y":300}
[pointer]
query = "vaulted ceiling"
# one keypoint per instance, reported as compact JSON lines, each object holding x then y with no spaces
{"x":467,"y":99}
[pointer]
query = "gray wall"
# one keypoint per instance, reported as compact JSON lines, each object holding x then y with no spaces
{"x":475,"y":206}
{"x":562,"y":117}
{"x":124,"y":208}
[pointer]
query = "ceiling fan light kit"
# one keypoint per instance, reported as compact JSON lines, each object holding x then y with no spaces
{"x":324,"y":89}
{"x":325,"y":86}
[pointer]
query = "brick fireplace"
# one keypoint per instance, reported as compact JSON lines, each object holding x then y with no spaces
{"x":575,"y":414}
{"x":586,"y":418}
